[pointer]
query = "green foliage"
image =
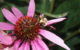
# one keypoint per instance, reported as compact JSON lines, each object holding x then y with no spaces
{"x":1,"y":17}
{"x":73,"y":17}
{"x":43,"y":5}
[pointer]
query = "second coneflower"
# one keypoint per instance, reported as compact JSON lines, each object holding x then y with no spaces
{"x":27,"y":31}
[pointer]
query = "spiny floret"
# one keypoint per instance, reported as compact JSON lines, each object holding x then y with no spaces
{"x":27,"y":28}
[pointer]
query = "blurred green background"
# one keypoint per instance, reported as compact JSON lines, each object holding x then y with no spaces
{"x":69,"y":29}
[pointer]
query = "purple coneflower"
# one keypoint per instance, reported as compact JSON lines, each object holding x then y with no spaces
{"x":27,"y":30}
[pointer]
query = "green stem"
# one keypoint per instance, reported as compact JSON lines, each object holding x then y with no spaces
{"x":1,"y":1}
{"x":51,"y":5}
{"x":43,"y":4}
{"x":45,"y":13}
{"x":51,"y":15}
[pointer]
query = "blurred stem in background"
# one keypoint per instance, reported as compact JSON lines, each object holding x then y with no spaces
{"x":43,"y":4}
{"x":53,"y":15}
{"x":51,"y":5}
{"x":52,"y":2}
{"x":1,"y":1}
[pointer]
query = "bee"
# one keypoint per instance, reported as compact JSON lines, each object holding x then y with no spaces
{"x":43,"y":20}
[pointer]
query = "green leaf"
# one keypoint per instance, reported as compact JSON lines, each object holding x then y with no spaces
{"x":43,"y":5}
{"x":1,"y":17}
{"x":23,"y":9}
{"x":73,"y":17}
{"x":59,"y":15}
{"x":54,"y":15}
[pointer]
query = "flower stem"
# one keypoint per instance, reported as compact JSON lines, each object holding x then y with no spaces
{"x":51,"y":5}
{"x":1,"y":1}
{"x":45,"y":13}
{"x":43,"y":4}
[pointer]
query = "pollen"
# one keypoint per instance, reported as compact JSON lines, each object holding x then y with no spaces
{"x":27,"y":28}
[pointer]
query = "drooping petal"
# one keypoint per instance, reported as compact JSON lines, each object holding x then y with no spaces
{"x":6,"y":26}
{"x":7,"y":48}
{"x":21,"y":47}
{"x":38,"y":44}
{"x":53,"y":38}
{"x":31,"y":9}
{"x":35,"y":46}
{"x":5,"y":39}
{"x":9,"y":16}
{"x":55,"y":21}
{"x":24,"y":46}
{"x":42,"y":44}
{"x":27,"y":46}
{"x":17,"y":12}
{"x":16,"y":45}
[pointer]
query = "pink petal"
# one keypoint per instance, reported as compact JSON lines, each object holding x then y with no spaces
{"x":8,"y":48}
{"x":5,"y":39}
{"x":42,"y":44}
{"x":35,"y":46}
{"x":17,"y":12}
{"x":22,"y":47}
{"x":6,"y":26}
{"x":41,"y":15}
{"x":27,"y":47}
{"x":54,"y":38}
{"x":55,"y":21}
{"x":52,"y":27}
{"x":31,"y":8}
{"x":9,"y":16}
{"x":16,"y":45}
{"x":38,"y":44}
